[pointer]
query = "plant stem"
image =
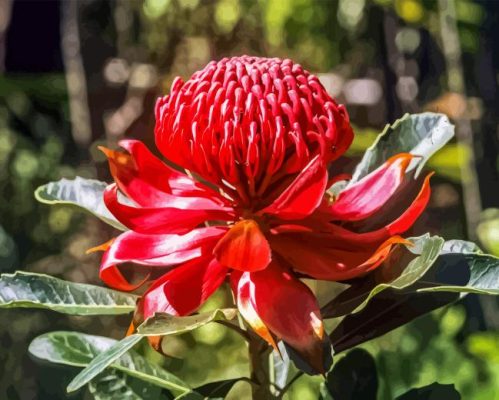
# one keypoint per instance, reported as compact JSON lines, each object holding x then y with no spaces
{"x":259,"y":366}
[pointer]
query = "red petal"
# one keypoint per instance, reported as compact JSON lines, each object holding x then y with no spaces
{"x":316,"y":228}
{"x":409,"y":216}
{"x":159,"y":220}
{"x":368,"y":195}
{"x":113,"y":277}
{"x":332,"y":263}
{"x":242,"y":293}
{"x":184,"y":289}
{"x":303,"y":195}
{"x":286,"y":307}
{"x":178,"y":182}
{"x":161,"y":250}
{"x":244,"y":247}
{"x":150,"y":182}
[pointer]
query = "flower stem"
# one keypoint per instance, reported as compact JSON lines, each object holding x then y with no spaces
{"x":259,"y":366}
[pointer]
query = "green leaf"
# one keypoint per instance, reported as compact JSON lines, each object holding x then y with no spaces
{"x":79,"y":350}
{"x":218,"y":389}
{"x":165,"y":324}
{"x":31,"y":290}
{"x":480,"y":271}
{"x":432,"y":392}
{"x":420,"y":134}
{"x":102,"y":361}
{"x":460,"y":268}
{"x":389,"y":275}
{"x":353,"y":377}
{"x":116,"y":385}
{"x":386,"y":311}
{"x":452,"y":266}
{"x":80,"y":192}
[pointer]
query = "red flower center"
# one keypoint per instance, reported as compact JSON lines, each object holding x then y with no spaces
{"x":248,"y":124}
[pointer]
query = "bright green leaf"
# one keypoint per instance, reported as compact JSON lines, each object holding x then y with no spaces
{"x":31,"y":290}
{"x":460,"y":268}
{"x":420,"y":134}
{"x":355,"y":297}
{"x":102,"y":361}
{"x":81,"y":350}
{"x":80,"y":192}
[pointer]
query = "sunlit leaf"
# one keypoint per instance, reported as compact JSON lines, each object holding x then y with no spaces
{"x":102,"y":361}
{"x":419,"y":134}
{"x":355,"y":297}
{"x":162,"y":324}
{"x":31,"y":290}
{"x":431,"y":392}
{"x":460,"y":268}
{"x":80,"y":192}
{"x":353,"y":377}
{"x":81,"y":350}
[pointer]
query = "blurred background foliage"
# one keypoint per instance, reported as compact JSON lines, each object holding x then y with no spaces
{"x":75,"y":74}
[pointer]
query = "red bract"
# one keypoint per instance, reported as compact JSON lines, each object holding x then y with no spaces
{"x":261,"y":135}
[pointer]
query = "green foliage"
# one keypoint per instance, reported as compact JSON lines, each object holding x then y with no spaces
{"x":165,"y":324}
{"x":102,"y":361}
{"x":81,"y":350}
{"x":357,"y":295}
{"x":80,"y":192}
{"x":116,"y":385}
{"x":30,"y":290}
{"x":418,"y":134}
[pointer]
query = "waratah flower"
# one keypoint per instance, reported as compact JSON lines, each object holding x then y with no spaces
{"x":258,"y":137}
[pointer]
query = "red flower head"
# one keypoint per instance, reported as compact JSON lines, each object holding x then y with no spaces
{"x":259,"y":136}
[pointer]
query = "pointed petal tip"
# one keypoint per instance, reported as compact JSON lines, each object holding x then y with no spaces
{"x":244,"y":247}
{"x":101,"y":247}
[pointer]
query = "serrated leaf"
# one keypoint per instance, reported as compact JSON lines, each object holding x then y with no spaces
{"x":432,"y":392}
{"x":31,"y":290}
{"x":162,"y":324}
{"x":355,"y":297}
{"x":420,"y":134}
{"x":80,"y":350}
{"x":80,"y":192}
{"x":353,"y":377}
{"x":116,"y":385}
